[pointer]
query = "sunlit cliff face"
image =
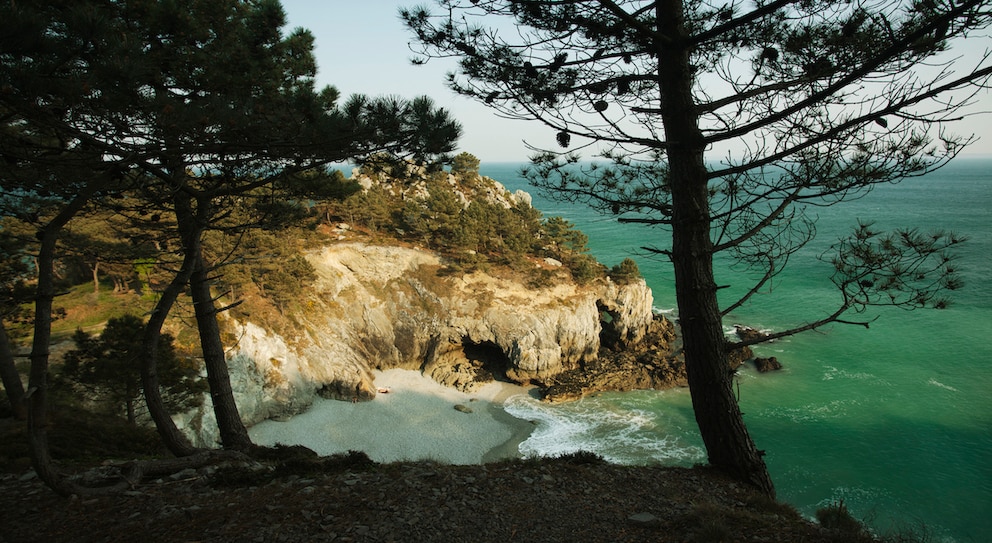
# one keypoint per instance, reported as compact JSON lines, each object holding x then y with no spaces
{"x":379,"y":307}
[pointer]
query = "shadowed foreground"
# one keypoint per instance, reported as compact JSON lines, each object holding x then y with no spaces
{"x":349,"y":498}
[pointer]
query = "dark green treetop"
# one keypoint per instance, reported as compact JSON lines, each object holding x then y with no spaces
{"x":109,"y":365}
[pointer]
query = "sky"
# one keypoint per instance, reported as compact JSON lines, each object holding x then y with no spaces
{"x":362,"y":47}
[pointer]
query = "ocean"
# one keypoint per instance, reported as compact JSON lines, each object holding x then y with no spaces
{"x":895,"y":420}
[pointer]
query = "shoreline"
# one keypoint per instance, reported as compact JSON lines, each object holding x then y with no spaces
{"x":416,"y":420}
{"x":522,"y":429}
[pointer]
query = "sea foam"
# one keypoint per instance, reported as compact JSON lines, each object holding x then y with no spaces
{"x":619,"y":433}
{"x":938,"y":384}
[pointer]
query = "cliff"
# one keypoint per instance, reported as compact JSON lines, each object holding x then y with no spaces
{"x":379,"y":301}
{"x":379,"y":307}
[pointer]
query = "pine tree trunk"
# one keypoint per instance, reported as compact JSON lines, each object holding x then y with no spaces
{"x":175,"y":440}
{"x":728,"y":445}
{"x":129,"y":410}
{"x":37,"y":394}
{"x":96,"y":277}
{"x":233,"y":433}
{"x":10,"y":377}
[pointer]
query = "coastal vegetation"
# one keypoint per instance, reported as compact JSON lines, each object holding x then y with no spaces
{"x":106,"y":369}
{"x":476,"y":223}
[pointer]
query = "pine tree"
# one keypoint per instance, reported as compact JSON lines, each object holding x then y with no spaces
{"x":720,"y":123}
{"x":110,"y":366}
{"x":187,"y":106}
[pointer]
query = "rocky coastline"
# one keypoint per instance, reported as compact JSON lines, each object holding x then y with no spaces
{"x":379,"y":303}
{"x":378,"y":307}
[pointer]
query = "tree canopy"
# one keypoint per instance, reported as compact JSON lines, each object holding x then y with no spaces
{"x":175,"y":114}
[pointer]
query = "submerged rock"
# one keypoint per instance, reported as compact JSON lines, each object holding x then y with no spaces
{"x":746,"y":333}
{"x":763,"y":365}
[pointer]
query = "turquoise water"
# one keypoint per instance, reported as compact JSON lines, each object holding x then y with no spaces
{"x":895,"y":420}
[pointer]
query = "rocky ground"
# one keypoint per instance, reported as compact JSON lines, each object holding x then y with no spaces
{"x":349,"y":498}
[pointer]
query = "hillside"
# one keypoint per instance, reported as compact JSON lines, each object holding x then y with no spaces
{"x":379,"y":297}
{"x":452,"y":276}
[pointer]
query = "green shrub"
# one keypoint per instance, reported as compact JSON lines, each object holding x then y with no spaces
{"x":479,"y":233}
{"x":541,"y":278}
{"x":584,"y":268}
{"x":465,"y":165}
{"x":109,"y":367}
{"x":625,"y":272}
{"x":581,"y":457}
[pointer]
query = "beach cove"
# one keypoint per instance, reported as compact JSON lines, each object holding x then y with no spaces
{"x":414,"y":419}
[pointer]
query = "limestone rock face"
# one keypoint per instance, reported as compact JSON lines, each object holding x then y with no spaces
{"x":379,"y":307}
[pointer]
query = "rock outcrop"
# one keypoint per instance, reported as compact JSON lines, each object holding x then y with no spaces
{"x":746,"y":333}
{"x":764,"y":365}
{"x":653,"y":362}
{"x":379,"y":307}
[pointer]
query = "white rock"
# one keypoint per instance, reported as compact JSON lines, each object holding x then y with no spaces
{"x":377,"y":307}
